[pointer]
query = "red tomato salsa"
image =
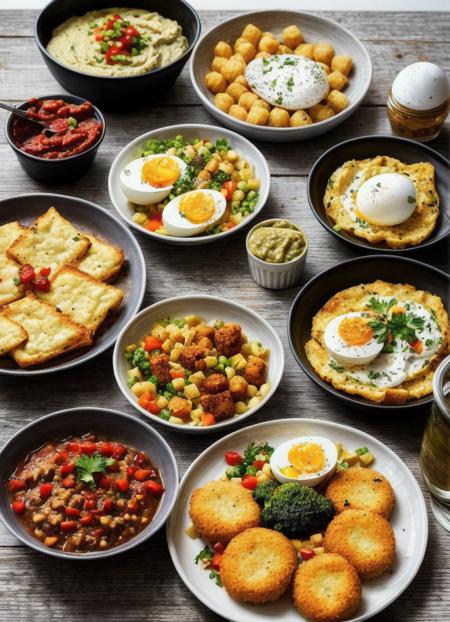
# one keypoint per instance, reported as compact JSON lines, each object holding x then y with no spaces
{"x":84,"y":494}
{"x":76,"y":125}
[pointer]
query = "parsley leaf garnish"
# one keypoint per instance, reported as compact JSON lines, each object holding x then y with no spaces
{"x":88,"y":465}
{"x":388,"y":328}
{"x":336,"y":367}
{"x":205,"y":555}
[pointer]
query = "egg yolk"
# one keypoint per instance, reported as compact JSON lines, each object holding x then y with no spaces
{"x":355,"y":331}
{"x":197,"y":207}
{"x":160,"y":172}
{"x":307,"y":458}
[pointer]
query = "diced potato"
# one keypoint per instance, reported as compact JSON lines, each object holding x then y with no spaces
{"x":140,"y":218}
{"x":141,"y":387}
{"x":162,"y":402}
{"x":261,"y":477}
{"x":173,"y":365}
{"x":176,"y":420}
{"x":191,"y":531}
{"x":245,"y":350}
{"x":191,"y":391}
{"x":179,"y":384}
{"x":197,"y":378}
{"x":175,"y":355}
{"x":350,"y":457}
{"x":252,"y":390}
{"x":229,"y":372}
{"x":174,"y":333}
{"x":238,"y":480}
{"x":131,"y":348}
{"x":196,"y":414}
{"x":366,"y":458}
{"x":135,"y":373}
{"x":241,"y":408}
{"x":167,"y":345}
{"x":189,"y":337}
{"x":316,"y":539}
{"x":255,"y":401}
{"x":237,"y":361}
{"x":192,"y":320}
{"x":211,"y":361}
{"x":237,"y":218}
{"x":158,"y":331}
{"x":266,"y":469}
{"x":318,"y":550}
{"x":264,"y":389}
{"x":256,"y":348}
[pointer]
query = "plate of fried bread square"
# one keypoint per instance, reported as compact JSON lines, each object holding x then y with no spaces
{"x":71,"y":277}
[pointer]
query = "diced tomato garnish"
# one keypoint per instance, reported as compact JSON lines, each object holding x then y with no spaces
{"x":45,"y":490}
{"x":121,"y":484}
{"x":60,"y":457}
{"x":69,"y":481}
{"x":152,"y":343}
{"x":142,"y":474}
{"x":88,"y":519}
{"x":178,"y":373}
{"x":74,"y":512}
{"x":233,"y":458}
{"x":89,"y":504}
{"x":16,"y":484}
{"x":306,"y":554}
{"x":66,"y":469}
{"x":417,"y":345}
{"x":41,"y":283}
{"x":230,"y":187}
{"x":258,"y":464}
{"x":153,"y":407}
{"x":74,"y":447}
{"x":99,"y":532}
{"x":98,"y":36}
{"x":216,"y":561}
{"x":250,"y":482}
{"x":154,"y":488}
{"x":26,"y":273}
{"x":218,"y":547}
{"x":131,"y":470}
{"x":106,"y":449}
{"x":18,"y":507}
{"x":131,"y":31}
{"x":68,"y":525}
{"x":141,"y":458}
{"x":105,"y":482}
{"x":45,"y":271}
{"x":114,"y":50}
{"x":118,"y":451}
{"x":88,"y":448}
{"x":107,"y":504}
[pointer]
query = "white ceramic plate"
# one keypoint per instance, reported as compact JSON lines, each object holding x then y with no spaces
{"x":315,"y":29}
{"x":210,"y":309}
{"x":133,"y":150}
{"x":409,"y":521}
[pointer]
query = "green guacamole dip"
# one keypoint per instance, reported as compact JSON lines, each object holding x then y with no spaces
{"x":277,"y":242}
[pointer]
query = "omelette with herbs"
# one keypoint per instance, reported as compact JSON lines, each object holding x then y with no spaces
{"x":380,"y":340}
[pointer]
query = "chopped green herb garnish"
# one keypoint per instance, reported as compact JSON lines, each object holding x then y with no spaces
{"x":88,"y":465}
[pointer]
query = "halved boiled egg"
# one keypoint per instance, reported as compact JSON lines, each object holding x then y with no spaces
{"x":306,"y":460}
{"x":150,"y":179}
{"x":349,"y":339}
{"x":386,"y":200}
{"x":193,"y":212}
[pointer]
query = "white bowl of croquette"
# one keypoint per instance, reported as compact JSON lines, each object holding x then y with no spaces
{"x":222,"y":88}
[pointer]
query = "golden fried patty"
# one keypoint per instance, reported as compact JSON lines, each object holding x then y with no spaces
{"x":361,"y":489}
{"x":257,"y":566}
{"x":222,"y":509}
{"x":365,"y":539}
{"x":327,"y":589}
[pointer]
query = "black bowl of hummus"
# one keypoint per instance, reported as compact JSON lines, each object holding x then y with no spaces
{"x":118,"y":57}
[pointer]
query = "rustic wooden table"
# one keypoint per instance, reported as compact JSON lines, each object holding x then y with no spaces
{"x":143,"y":584}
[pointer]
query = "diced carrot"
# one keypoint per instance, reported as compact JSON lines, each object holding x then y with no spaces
{"x":154,"y":223}
{"x":208,"y":419}
{"x":178,"y":373}
{"x":152,"y":343}
{"x":144,"y":399}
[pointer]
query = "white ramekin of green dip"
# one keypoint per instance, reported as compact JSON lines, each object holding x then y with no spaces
{"x":276,"y":250}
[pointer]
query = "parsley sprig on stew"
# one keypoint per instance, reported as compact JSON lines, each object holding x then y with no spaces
{"x":88,"y":465}
{"x":390,"y":326}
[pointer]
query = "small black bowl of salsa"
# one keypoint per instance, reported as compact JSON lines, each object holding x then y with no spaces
{"x":86,"y":483}
{"x":66,"y":155}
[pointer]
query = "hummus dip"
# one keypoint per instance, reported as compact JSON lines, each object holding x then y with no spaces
{"x":279,"y":241}
{"x":117,"y":42}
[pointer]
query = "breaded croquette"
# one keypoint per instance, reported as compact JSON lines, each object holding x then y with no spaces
{"x":361,"y":489}
{"x":228,"y":339}
{"x":215,"y":383}
{"x":255,"y":371}
{"x":327,"y":589}
{"x":365,"y":539}
{"x":221,"y":405}
{"x":257,"y":566}
{"x":221,"y":510}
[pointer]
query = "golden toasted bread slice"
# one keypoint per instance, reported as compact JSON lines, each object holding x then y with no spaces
{"x":9,"y":233}
{"x":9,"y":273}
{"x":103,"y":260}
{"x":50,"y":333}
{"x":50,"y":242}
{"x":83,"y":298}
{"x":12,"y":335}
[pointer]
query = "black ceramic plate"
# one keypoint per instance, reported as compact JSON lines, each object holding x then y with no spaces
{"x":89,"y":218}
{"x":407,"y":151}
{"x":320,"y":288}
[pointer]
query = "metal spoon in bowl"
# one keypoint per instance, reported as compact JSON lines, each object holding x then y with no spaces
{"x":48,"y":131}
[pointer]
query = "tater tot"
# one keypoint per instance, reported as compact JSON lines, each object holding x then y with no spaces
{"x":262,"y":55}
{"x":247,"y":99}
{"x":342,"y":63}
{"x":283,"y":49}
{"x":337,"y":80}
{"x":251,"y":33}
{"x":235,"y":90}
{"x":242,"y":80}
{"x":247,"y":50}
{"x":268,"y":44}
{"x":299,"y":118}
{"x":320,"y":112}
{"x":278,"y":117}
{"x":238,"y":112}
{"x":323,"y":53}
{"x":292,"y":36}
{"x":215,"y":82}
{"x":326,"y":68}
{"x":223,"y":101}
{"x":257,"y":115}
{"x":217,"y":63}
{"x":223,"y":49}
{"x":305,"y":49}
{"x":262,"y":104}
{"x":238,"y":57}
{"x":337,"y":101}
{"x":232,"y":69}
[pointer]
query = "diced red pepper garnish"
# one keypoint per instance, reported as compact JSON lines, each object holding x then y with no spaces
{"x":88,"y":519}
{"x":68,"y":525}
{"x":16,"y":484}
{"x":131,"y":470}
{"x":152,"y":343}
{"x":105,"y":482}
{"x":45,"y":490}
{"x":306,"y":554}
{"x":74,"y":447}
{"x":26,"y":273}
{"x":131,"y":31}
{"x":99,"y":532}
{"x":45,"y":271}
{"x":66,"y":469}
{"x":230,"y":187}
{"x":250,"y":482}
{"x":60,"y":457}
{"x":121,"y":484}
{"x":107,"y":504}
{"x":232,"y":458}
{"x":417,"y":346}
{"x":119,"y":451}
{"x":74,"y":512}
{"x":41,"y":283}
{"x":88,"y":448}
{"x":142,"y":474}
{"x":258,"y":464}
{"x":18,"y":507}
{"x":106,"y":449}
{"x":216,"y":561}
{"x":154,"y":488}
{"x":69,"y":481}
{"x":89,"y":504}
{"x":218,"y":547}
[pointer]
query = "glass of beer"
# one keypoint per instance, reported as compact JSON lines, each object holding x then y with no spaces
{"x":435,"y":452}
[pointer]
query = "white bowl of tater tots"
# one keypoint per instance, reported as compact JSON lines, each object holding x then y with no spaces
{"x":252,"y":73}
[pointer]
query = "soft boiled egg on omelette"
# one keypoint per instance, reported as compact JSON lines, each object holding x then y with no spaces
{"x":150,"y":179}
{"x":383,"y":199}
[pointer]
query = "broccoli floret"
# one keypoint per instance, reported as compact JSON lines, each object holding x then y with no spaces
{"x":297,"y":511}
{"x":264,"y":491}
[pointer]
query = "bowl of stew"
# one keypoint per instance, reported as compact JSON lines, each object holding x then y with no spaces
{"x":65,"y":156}
{"x":86,"y":483}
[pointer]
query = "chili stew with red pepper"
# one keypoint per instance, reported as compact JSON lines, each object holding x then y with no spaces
{"x":85,"y":494}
